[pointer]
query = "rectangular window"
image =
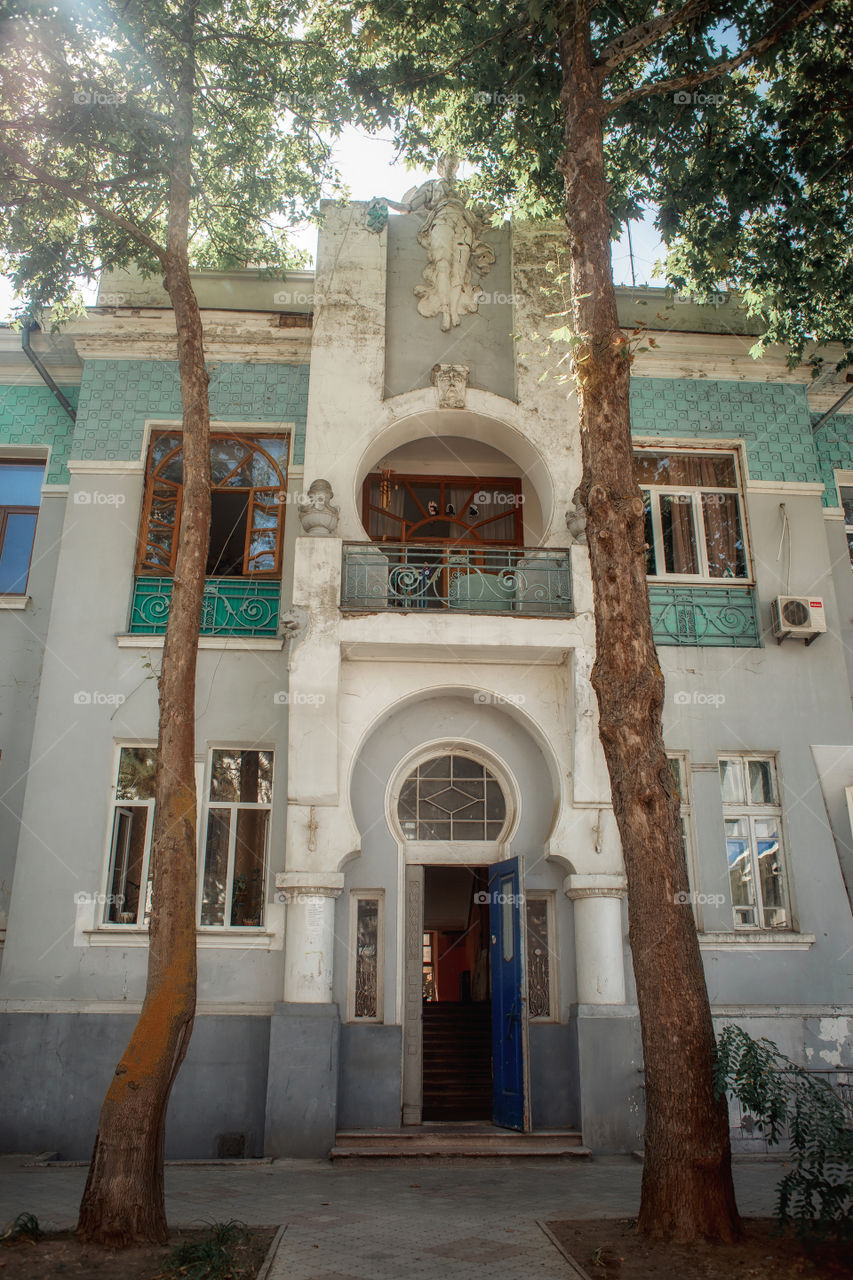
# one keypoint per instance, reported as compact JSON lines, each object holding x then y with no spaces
{"x":248,"y":484}
{"x":233,"y":875}
{"x":539,"y":921}
{"x":367,"y":934}
{"x":129,"y":883}
{"x":754,"y":848}
{"x":845,"y":492}
{"x":678,"y":766}
{"x":20,"y":497}
{"x":693,"y":515}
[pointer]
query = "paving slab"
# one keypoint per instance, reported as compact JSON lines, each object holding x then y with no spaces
{"x":447,"y":1219}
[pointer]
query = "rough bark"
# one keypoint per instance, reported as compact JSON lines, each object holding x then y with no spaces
{"x":687,"y":1190}
{"x":123,"y":1201}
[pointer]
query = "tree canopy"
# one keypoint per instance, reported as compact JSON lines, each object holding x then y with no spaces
{"x":90,"y":109}
{"x":747,"y":166}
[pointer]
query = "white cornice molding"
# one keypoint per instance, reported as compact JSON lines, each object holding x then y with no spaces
{"x":241,"y":643}
{"x":88,"y":467}
{"x":149,"y":334}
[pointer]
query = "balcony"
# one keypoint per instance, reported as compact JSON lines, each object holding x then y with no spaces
{"x":531,"y":582}
{"x":707,"y":617}
{"x":231,"y":606}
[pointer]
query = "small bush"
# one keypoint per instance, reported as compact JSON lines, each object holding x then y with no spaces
{"x":25,"y":1227}
{"x":816,"y":1196}
{"x":211,"y":1258}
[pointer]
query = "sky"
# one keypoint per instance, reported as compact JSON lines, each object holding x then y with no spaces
{"x":369,"y":167}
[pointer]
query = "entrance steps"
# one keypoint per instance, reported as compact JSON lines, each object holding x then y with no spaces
{"x":455,"y":1141}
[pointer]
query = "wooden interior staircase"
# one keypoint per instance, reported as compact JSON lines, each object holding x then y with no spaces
{"x":457,"y":1061}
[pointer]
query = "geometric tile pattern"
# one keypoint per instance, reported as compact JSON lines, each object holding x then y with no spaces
{"x":116,"y":396}
{"x":772,"y":419}
{"x":834,"y":444}
{"x":31,"y":415}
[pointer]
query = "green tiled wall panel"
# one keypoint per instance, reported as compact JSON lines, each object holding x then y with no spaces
{"x":773,"y":419}
{"x":32,"y":415}
{"x":116,"y":396}
{"x":834,"y":444}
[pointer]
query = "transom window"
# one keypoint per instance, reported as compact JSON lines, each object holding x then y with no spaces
{"x":20,"y":496}
{"x":452,"y":797}
{"x":754,"y":849}
{"x":448,"y":509}
{"x":694,"y":521}
{"x":247,"y":495}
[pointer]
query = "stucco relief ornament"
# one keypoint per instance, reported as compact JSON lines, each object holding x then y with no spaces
{"x":318,"y":515}
{"x":451,"y":231}
{"x":576,"y":520}
{"x":451,"y":384}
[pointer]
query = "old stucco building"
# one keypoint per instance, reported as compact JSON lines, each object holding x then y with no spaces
{"x":411,"y":895}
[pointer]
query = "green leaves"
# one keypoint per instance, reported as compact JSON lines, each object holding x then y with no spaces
{"x":91,"y":95}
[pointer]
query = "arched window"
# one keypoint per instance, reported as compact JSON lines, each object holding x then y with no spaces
{"x":247,"y":490}
{"x":452,"y":797}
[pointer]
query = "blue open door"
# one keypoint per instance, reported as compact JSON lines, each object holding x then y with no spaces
{"x":507,"y":994}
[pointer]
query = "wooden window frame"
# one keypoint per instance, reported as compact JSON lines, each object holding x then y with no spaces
{"x":508,"y":483}
{"x":234,"y":807}
{"x":144,"y":568}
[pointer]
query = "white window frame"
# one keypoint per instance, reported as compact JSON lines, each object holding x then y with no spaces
{"x":549,"y":897}
{"x":116,"y":804}
{"x":357,"y":895}
{"x":695,"y":493}
{"x":749,"y":812}
{"x":844,"y":480}
{"x":450,"y":852}
{"x":233,"y":806}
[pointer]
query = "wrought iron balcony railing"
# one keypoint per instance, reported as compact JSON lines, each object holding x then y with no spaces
{"x":715,"y":617}
{"x":528,"y":581}
{"x":231,"y":606}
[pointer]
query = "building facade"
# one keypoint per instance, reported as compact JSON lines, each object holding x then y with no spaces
{"x":411,"y":891}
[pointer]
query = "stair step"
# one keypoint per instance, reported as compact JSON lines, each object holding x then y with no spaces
{"x":467,"y":1150}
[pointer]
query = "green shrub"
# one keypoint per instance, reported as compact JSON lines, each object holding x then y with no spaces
{"x":211,"y":1258}
{"x":25,"y":1227}
{"x":816,"y":1195}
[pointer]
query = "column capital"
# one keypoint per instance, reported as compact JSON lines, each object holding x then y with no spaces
{"x":310,"y":884}
{"x":595,"y":886}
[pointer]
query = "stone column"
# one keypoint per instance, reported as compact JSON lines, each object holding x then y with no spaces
{"x":598,"y":937}
{"x":302,"y":1085}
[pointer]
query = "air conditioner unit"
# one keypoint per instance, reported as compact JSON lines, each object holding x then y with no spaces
{"x":797,"y":618}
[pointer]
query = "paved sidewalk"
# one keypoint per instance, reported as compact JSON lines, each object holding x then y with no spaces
{"x":427,"y":1221}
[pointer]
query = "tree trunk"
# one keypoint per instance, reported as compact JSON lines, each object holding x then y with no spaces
{"x":687,"y":1190}
{"x":124,"y":1197}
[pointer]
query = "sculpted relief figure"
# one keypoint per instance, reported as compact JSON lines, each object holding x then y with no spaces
{"x":451,"y":236}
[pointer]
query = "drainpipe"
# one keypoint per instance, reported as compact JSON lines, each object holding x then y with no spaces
{"x":842,"y":400}
{"x":28,"y":327}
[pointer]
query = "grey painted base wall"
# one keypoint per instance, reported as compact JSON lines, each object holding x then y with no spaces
{"x":56,"y":1067}
{"x":610,"y":1080}
{"x":302,"y":1087}
{"x":370,"y":1083}
{"x":554,"y":1096}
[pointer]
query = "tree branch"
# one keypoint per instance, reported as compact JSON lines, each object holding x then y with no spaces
{"x":640,"y":37}
{"x":70,"y":192}
{"x":719,"y":68}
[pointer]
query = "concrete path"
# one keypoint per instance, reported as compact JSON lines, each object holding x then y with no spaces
{"x":424,"y":1221}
